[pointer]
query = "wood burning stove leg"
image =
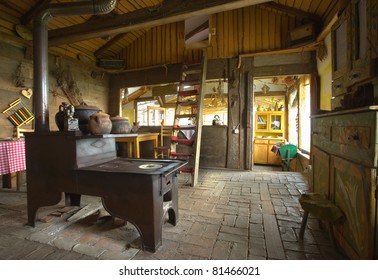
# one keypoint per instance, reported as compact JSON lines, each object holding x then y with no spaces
{"x":72,"y":199}
{"x":151,"y":236}
{"x":149,"y":229}
{"x":35,"y":200}
{"x":171,"y":198}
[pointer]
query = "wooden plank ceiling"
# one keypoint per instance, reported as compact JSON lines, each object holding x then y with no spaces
{"x":114,"y":35}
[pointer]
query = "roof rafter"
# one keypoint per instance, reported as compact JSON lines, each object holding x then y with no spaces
{"x":292,"y":11}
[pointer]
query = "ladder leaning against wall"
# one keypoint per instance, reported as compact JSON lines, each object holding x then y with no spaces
{"x":187,"y":127}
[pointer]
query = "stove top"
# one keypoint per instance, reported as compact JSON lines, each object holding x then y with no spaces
{"x":139,"y":166}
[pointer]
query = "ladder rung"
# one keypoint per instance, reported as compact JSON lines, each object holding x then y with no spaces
{"x":188,"y":103}
{"x":174,"y":154}
{"x":192,"y":71}
{"x":185,"y":142}
{"x":187,"y":92}
{"x":192,"y":62}
{"x":186,"y":170}
{"x":189,"y":82}
{"x":187,"y":127}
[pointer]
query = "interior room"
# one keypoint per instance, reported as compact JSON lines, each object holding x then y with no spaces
{"x":188,"y":130}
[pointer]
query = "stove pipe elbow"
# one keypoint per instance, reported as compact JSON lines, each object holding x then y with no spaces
{"x":40,"y":49}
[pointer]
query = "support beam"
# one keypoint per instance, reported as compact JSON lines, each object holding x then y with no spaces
{"x":168,"y":12}
{"x":292,"y":11}
{"x":108,"y":44}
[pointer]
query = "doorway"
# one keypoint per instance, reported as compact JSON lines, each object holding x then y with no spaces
{"x":281,"y":110}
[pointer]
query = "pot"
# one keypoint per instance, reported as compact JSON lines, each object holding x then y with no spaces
{"x":83,"y":113}
{"x":99,"y":123}
{"x":120,"y":125}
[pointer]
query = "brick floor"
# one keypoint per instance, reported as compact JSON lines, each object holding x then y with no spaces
{"x":235,"y":215}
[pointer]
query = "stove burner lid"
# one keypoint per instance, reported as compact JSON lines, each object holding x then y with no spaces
{"x":150,"y":166}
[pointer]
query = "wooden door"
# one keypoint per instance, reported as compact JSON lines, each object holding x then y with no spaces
{"x":260,"y":153}
{"x":320,"y":165}
{"x":353,"y":191}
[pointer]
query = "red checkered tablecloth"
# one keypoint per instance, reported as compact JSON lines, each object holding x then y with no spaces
{"x":12,"y":156}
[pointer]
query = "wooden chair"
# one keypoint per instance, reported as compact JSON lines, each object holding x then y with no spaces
{"x":163,"y":151}
{"x":287,"y":153}
{"x":19,"y":132}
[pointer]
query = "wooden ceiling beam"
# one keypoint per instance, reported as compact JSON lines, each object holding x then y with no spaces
{"x":168,"y":11}
{"x":108,"y":44}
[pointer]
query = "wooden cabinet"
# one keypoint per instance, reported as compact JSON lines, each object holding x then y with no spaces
{"x":353,"y":188}
{"x":320,"y":167}
{"x":345,"y":162}
{"x":262,"y":153}
{"x":270,"y":123}
{"x":354,"y":55}
{"x":269,"y":129}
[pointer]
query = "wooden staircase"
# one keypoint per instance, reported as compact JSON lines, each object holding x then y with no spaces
{"x":187,"y":128}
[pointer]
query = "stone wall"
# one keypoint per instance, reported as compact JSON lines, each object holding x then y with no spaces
{"x":94,"y":89}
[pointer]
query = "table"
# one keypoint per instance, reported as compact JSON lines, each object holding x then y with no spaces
{"x":133,"y":141}
{"x":12,"y":159}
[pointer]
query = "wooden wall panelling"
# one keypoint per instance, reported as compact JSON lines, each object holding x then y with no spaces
{"x":265,"y":29}
{"x":174,"y":45}
{"x":155,"y":47}
{"x":159,"y":45}
{"x":272,"y":30}
{"x":149,"y":48}
{"x":252,"y":30}
{"x":277,"y":40}
{"x":181,"y":43}
{"x":246,"y":30}
{"x":140,"y":52}
{"x":167,"y":42}
{"x":240,"y":30}
{"x":283,"y":33}
{"x":219,"y":38}
{"x":224,"y":30}
{"x":233,"y":32}
{"x":258,"y":31}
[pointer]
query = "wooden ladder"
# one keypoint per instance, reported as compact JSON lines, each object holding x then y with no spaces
{"x":187,"y":128}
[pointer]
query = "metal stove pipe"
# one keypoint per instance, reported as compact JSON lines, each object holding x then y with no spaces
{"x":40,"y":49}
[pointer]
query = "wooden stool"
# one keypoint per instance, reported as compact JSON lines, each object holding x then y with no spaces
{"x":322,"y":208}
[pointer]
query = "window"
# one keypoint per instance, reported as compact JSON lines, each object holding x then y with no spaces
{"x":142,"y":110}
{"x":155,"y":115}
{"x":304,"y":114}
{"x":215,"y":102}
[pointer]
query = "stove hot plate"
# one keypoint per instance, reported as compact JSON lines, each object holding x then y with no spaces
{"x":150,"y":166}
